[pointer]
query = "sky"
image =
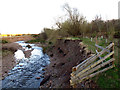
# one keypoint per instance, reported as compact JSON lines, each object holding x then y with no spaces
{"x":31,"y":16}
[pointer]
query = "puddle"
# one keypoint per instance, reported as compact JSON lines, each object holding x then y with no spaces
{"x":25,"y":73}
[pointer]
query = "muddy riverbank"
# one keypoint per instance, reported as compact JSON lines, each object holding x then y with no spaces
{"x":63,"y":56}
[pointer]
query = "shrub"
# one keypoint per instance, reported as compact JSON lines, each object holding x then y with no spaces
{"x":74,"y":25}
{"x":3,"y":41}
{"x":34,"y":35}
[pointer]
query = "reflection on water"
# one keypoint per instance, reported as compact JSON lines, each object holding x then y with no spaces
{"x":19,"y":55}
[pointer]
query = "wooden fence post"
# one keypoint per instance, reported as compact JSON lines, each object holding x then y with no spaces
{"x":96,"y":43}
{"x":113,"y":54}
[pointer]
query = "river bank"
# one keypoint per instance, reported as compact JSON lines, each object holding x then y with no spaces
{"x":63,"y":56}
{"x":8,"y":60}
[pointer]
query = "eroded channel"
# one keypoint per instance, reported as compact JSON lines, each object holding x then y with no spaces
{"x":28,"y":73}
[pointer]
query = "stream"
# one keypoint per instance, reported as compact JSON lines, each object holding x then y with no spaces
{"x":28,"y":73}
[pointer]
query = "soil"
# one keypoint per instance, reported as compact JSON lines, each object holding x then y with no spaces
{"x":63,"y":56}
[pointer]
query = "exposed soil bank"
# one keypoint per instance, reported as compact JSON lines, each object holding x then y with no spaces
{"x":63,"y":56}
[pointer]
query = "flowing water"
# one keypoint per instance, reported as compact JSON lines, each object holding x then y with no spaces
{"x":25,"y":74}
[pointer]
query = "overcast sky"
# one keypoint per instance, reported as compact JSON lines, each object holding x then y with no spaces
{"x":31,"y":16}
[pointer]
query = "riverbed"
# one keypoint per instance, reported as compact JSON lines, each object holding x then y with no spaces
{"x":29,"y":72}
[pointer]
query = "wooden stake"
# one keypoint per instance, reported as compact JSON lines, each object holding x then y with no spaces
{"x":96,"y":43}
{"x":113,"y":54}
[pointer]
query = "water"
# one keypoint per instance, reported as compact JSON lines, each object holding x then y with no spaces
{"x":25,"y":73}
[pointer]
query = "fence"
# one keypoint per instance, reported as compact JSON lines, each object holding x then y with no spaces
{"x":97,"y":63}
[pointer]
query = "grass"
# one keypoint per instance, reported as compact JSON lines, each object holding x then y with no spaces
{"x":110,"y":78}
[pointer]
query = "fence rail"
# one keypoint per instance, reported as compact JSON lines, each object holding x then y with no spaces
{"x":97,"y":63}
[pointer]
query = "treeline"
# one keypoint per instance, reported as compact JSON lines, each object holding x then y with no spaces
{"x":77,"y":26}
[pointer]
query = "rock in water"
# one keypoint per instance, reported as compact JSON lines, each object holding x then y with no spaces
{"x":37,"y":77}
{"x":28,"y":46}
